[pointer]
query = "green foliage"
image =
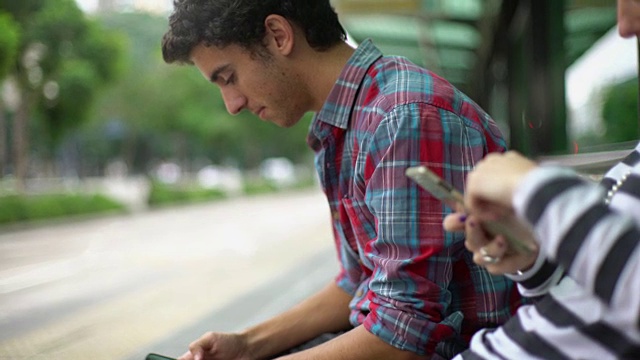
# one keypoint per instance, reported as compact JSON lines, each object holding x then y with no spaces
{"x":620,"y":112}
{"x":163,"y":194}
{"x":143,"y":32}
{"x":58,"y":25}
{"x":75,"y":98}
{"x":20,"y":208}
{"x":105,"y":50}
{"x":74,"y":55}
{"x":22,"y":10}
{"x":9,"y":41}
{"x":88,"y":59}
{"x":259,"y":187}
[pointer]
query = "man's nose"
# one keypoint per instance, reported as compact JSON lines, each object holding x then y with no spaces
{"x":233,"y":100}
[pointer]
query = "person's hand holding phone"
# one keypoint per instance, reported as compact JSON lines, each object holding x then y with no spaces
{"x":492,"y":183}
{"x":492,"y":252}
{"x":489,"y":196}
{"x":494,"y":222}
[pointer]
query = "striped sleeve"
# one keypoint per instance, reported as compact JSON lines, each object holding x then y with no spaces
{"x":597,"y":245}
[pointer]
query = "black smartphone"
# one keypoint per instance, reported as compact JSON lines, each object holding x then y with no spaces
{"x":446,"y":193}
{"x":153,"y":356}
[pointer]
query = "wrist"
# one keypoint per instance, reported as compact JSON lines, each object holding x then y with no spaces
{"x":529,"y":269}
{"x":526,"y":268}
{"x":255,"y":343}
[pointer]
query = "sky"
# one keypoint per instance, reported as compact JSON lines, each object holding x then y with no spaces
{"x":611,"y":60}
{"x":87,"y":5}
{"x":91,"y":5}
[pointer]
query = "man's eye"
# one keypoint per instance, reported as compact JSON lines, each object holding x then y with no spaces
{"x":230,"y":80}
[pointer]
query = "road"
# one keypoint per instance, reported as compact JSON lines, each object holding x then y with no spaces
{"x":121,"y":286}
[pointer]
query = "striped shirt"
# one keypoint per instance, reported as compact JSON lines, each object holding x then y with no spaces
{"x":591,"y":306}
{"x":413,"y":285}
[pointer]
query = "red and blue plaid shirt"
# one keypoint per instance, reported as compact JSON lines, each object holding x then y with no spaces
{"x":413,"y":285}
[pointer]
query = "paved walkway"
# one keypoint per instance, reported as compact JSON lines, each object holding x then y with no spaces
{"x":120,"y":287}
{"x":259,"y":304}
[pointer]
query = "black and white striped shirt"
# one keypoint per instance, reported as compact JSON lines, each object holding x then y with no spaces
{"x":591,"y":303}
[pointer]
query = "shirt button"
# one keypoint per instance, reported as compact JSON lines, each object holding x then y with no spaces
{"x":335,"y":215}
{"x":359,"y":293}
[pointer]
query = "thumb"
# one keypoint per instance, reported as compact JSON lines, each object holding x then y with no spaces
{"x":454,"y":222}
{"x":198,"y":354}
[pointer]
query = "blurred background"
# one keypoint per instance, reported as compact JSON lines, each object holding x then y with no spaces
{"x":103,"y":146}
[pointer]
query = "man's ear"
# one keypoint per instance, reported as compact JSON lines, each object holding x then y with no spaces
{"x":279,"y":34}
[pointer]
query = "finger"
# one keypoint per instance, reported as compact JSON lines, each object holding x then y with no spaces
{"x":475,"y":237}
{"x":454,"y":222}
{"x":509,"y":264}
{"x":196,"y":351}
{"x":186,"y":356}
{"x":488,"y":210}
{"x":498,"y":259}
{"x":492,"y":253}
{"x":496,"y":247}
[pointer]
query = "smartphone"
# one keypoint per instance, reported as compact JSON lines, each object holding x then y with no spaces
{"x":446,"y":193}
{"x":153,"y":356}
{"x":434,"y":184}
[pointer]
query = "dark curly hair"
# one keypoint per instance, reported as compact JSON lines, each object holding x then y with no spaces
{"x":241,"y":22}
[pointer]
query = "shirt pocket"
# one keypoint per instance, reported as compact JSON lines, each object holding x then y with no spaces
{"x":359,"y":225}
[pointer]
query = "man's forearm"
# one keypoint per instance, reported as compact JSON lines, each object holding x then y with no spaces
{"x":326,"y":311}
{"x":354,"y":345}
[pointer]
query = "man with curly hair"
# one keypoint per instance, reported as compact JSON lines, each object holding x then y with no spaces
{"x":405,"y":289}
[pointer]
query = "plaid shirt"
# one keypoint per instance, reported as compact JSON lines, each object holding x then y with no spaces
{"x":413,"y":285}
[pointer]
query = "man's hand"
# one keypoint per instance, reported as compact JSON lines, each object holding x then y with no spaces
{"x":327,"y":311}
{"x":218,"y":346}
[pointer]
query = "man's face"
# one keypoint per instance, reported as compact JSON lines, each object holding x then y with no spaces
{"x":264,"y":86}
{"x":629,"y":17}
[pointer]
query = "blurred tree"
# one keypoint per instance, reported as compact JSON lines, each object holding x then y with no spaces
{"x":9,"y":41}
{"x":620,"y":112}
{"x":64,"y":60}
{"x":21,"y":12}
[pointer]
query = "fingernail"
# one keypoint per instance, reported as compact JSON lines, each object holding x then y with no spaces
{"x":463,"y":218}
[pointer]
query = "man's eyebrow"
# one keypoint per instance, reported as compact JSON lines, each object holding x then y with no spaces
{"x":216,"y":73}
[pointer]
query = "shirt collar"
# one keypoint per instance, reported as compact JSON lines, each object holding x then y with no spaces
{"x":337,"y":108}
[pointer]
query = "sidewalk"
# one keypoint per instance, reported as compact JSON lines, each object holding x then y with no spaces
{"x":120,"y":287}
{"x":259,"y":304}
